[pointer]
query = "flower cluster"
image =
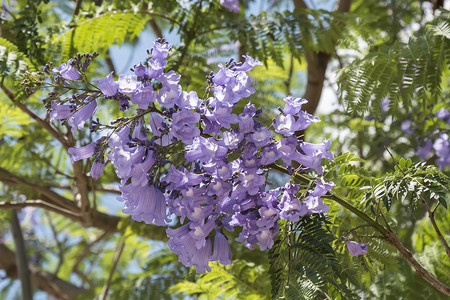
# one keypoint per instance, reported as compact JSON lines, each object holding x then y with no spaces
{"x":220,"y":184}
{"x":440,"y":144}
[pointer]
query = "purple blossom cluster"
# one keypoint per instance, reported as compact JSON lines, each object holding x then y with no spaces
{"x":440,"y":144}
{"x":221,"y":183}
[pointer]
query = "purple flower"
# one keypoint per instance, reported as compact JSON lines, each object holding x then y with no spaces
{"x":157,"y":124}
{"x":183,"y":125}
{"x":169,"y":94}
{"x":188,"y":100}
{"x":356,"y":249}
{"x":442,"y":148}
{"x":231,"y":5}
{"x":127,"y":84}
{"x":315,"y":205}
{"x":286,"y":149}
{"x":204,"y":150}
{"x":160,"y":50}
{"x":231,"y":140}
{"x":286,"y":125}
{"x":140,"y":70}
{"x":248,"y":64}
{"x":291,"y":208}
{"x":442,"y":114}
{"x":406,"y":127}
{"x":321,"y":188}
{"x":107,"y":85}
{"x":313,"y":149}
{"x":97,"y":168}
{"x":222,"y":249}
{"x":293,"y":105}
{"x":83,"y":152}
{"x":79,"y":117}
{"x":146,"y":203}
{"x":252,"y":183}
{"x":423,"y":151}
{"x":269,"y":155}
{"x":155,"y":68}
{"x":265,"y":238}
{"x":143,"y":96}
{"x":260,"y":137}
{"x":60,"y":111}
{"x":223,"y":76}
{"x":201,"y":257}
{"x":314,"y":161}
{"x":201,"y":231}
{"x":224,"y":116}
{"x":68,"y":71}
{"x":305,"y":120}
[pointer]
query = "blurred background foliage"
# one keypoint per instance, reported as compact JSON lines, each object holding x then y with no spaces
{"x":386,"y":63}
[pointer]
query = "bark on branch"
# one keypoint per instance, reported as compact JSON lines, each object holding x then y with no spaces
{"x":317,"y":64}
{"x":41,"y":280}
{"x":54,"y":202}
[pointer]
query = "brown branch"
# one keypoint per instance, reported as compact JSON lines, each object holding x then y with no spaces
{"x":114,"y":266}
{"x":54,"y":202}
{"x":55,"y":199}
{"x":41,"y":204}
{"x":77,"y":7}
{"x":421,"y":271}
{"x":109,"y":62}
{"x":155,"y":28}
{"x":47,"y":126}
{"x":21,"y":258}
{"x":317,"y":64}
{"x":80,"y":177}
{"x":41,"y":280}
{"x":436,"y":228}
{"x":388,"y":235}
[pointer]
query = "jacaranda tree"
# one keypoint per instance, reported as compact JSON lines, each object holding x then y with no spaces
{"x":205,"y":170}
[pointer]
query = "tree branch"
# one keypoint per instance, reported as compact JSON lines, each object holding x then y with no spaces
{"x":421,"y":271}
{"x":41,"y":204}
{"x":47,"y":126}
{"x":388,"y":235}
{"x":41,"y":280}
{"x":317,"y":64}
{"x":21,"y":258}
{"x":54,"y":202}
{"x":433,"y":222}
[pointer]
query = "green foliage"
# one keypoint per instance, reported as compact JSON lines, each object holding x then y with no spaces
{"x":303,"y":265}
{"x":12,"y":62}
{"x":350,"y":178}
{"x":409,"y":184}
{"x":100,"y":32}
{"x":402,"y":72}
{"x":242,"y":280}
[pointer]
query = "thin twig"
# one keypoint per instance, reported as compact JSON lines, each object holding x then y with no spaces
{"x":38,"y":203}
{"x":111,"y":273}
{"x":86,"y":250}
{"x":48,"y":127}
{"x":58,"y":244}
